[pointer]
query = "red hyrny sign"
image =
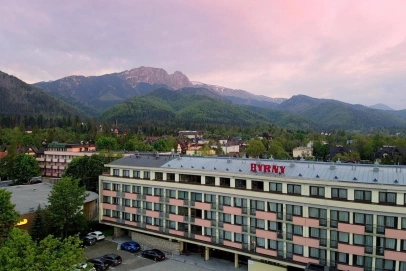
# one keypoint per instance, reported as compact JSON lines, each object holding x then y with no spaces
{"x":267,"y":168}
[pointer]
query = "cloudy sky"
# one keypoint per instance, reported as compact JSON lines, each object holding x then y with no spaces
{"x":353,"y":51}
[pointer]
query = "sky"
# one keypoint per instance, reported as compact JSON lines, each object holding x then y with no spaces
{"x":352,"y":51}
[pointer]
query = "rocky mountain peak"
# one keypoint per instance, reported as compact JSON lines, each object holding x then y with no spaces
{"x":152,"y":76}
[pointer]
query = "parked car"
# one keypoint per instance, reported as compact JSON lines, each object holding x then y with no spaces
{"x":130,"y":246}
{"x":98,"y":234}
{"x":89,"y":240}
{"x":35,"y":180}
{"x":113,"y":259}
{"x":154,"y":254}
{"x":100,"y":263}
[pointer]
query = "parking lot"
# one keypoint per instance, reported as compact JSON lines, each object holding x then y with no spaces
{"x":134,"y":261}
{"x":131,"y":261}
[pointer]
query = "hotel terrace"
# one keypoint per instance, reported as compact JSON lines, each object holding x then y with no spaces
{"x":284,"y":213}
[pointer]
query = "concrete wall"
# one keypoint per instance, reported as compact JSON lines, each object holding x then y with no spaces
{"x":154,"y":242}
{"x":258,"y":266}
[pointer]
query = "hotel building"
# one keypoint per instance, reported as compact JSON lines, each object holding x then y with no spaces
{"x":285,"y":213}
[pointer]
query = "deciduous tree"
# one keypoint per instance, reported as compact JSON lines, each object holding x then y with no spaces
{"x":8,"y":215}
{"x":25,"y":167}
{"x":255,"y":148}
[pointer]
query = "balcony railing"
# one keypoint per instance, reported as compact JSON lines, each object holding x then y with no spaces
{"x":379,"y":251}
{"x":163,"y":199}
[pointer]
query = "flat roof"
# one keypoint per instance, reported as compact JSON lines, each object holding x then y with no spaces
{"x":309,"y":170}
{"x":27,"y":197}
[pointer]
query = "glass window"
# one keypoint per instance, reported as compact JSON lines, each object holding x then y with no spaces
{"x":314,"y":253}
{"x":148,"y":205}
{"x":227,"y":218}
{"x":126,"y":173}
{"x":359,"y":239}
{"x":116,"y":172}
{"x":275,"y":187}
{"x":116,"y":187}
{"x":107,"y":186}
{"x":362,"y":195}
{"x":136,"y":204}
{"x":106,"y":212}
{"x":209,"y":198}
{"x":147,"y":190}
{"x":260,"y":242}
{"x":183,"y":194}
{"x":387,"y":198}
{"x":147,"y":175}
{"x":137,"y":189}
{"x":148,"y":220}
{"x":158,"y":207}
{"x":238,"y":237}
{"x":197,"y":196}
{"x":294,"y":189}
{"x":343,"y":237}
{"x":343,"y":258}
{"x":317,"y":191}
{"x":171,"y":193}
{"x":298,"y":230}
{"x":136,"y":174}
{"x":227,"y":235}
{"x":298,"y":249}
{"x":237,"y":219}
{"x":127,"y":188}
{"x":338,"y":193}
{"x":158,"y":192}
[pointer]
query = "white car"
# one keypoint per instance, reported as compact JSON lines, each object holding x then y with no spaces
{"x":98,"y":234}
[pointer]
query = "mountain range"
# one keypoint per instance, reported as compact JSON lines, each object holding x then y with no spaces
{"x":148,"y":94}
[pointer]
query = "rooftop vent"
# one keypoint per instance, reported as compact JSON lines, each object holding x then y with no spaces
{"x":227,"y":169}
{"x":169,"y":165}
{"x":335,"y":178}
{"x":375,"y":180}
{"x":229,"y":160}
{"x":332,"y":167}
{"x":215,"y":168}
{"x":239,"y":170}
{"x":396,"y":181}
{"x":202,"y":167}
{"x":193,"y":167}
{"x":181,"y":165}
{"x":317,"y":176}
{"x":300,"y":174}
{"x":355,"y":179}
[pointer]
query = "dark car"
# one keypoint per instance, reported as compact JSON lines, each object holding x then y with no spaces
{"x":154,"y":254}
{"x":130,"y":246}
{"x":100,"y":264}
{"x":89,"y":241}
{"x":113,"y":259}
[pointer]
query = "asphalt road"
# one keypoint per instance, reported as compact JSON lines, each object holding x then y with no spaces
{"x":131,"y":261}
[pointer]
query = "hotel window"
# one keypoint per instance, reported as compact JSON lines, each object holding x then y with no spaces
{"x":260,"y":242}
{"x":298,"y":230}
{"x":171,"y":193}
{"x":241,"y":184}
{"x":171,"y":209}
{"x":358,"y":260}
{"x":338,"y":193}
{"x":387,"y":198}
{"x":257,"y":185}
{"x":320,"y":214}
{"x":225,"y":200}
{"x":333,"y":239}
{"x":276,"y":208}
{"x":158,"y":222}
{"x":106,"y":212}
{"x":275,"y":187}
{"x":196,"y":196}
{"x":258,"y":223}
{"x":209,"y":215}
{"x":137,"y":174}
{"x":314,"y":232}
{"x":317,"y":191}
{"x":147,"y":190}
{"x":170,"y":177}
{"x":239,"y":202}
{"x":314,"y":253}
{"x":209,"y":232}
{"x":227,"y":218}
{"x":106,"y":186}
{"x":390,"y":243}
{"x":127,"y":188}
{"x":238,"y":237}
{"x":339,"y":216}
{"x":116,"y":187}
{"x":386,"y":222}
{"x":343,"y":237}
{"x":127,"y":202}
{"x":136,"y":204}
{"x":127,"y":216}
{"x":106,"y":199}
{"x":148,"y":205}
{"x":294,"y":189}
{"x":136,"y":218}
{"x":171,"y":224}
{"x":402,"y":266}
{"x":294,"y":210}
{"x":298,"y":250}
{"x":116,"y":172}
{"x":137,"y":189}
{"x":362,"y":195}
{"x":384,"y":265}
{"x":403,"y":225}
{"x":116,"y":201}
{"x":364,"y":219}
{"x":116,"y":214}
{"x":158,"y":192}
{"x":126,"y":173}
{"x":147,"y":175}
{"x":403,"y":245}
{"x":359,"y":239}
{"x":343,"y":258}
{"x":227,"y":235}
{"x":158,"y":207}
{"x":148,"y":220}
{"x":275,"y":245}
{"x":210,"y":180}
{"x":238,"y":220}
{"x":183,"y":195}
{"x":209,"y":198}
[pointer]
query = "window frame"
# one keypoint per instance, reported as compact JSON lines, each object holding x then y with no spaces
{"x":292,"y":187}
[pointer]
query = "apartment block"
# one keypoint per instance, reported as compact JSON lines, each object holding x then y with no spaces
{"x":284,"y":213}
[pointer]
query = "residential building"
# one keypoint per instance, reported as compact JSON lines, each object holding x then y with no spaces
{"x":284,"y":213}
{"x":55,"y":157}
{"x":302,"y":152}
